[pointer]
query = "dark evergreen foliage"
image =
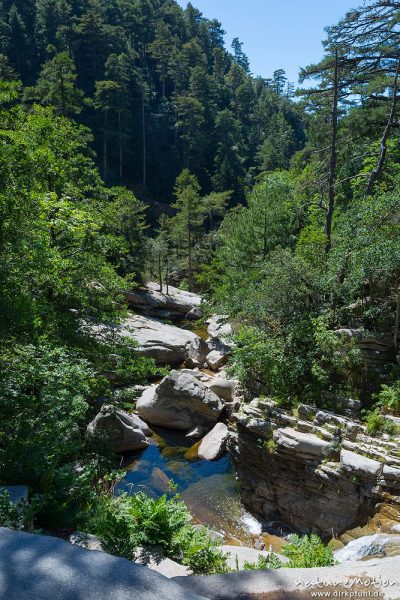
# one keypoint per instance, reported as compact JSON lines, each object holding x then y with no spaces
{"x":160,"y":90}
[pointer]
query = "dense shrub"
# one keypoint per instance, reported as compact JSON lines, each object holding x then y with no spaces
{"x":306,"y":362}
{"x":45,"y":393}
{"x":264,"y":562}
{"x":126,"y":523}
{"x":308,"y":552}
{"x":374,"y":421}
{"x":389,"y":398}
{"x":14,"y":516}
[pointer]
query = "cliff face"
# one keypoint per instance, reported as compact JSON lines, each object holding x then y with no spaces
{"x":316,"y":471}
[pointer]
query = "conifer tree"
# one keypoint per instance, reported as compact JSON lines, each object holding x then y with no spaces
{"x":56,"y":86}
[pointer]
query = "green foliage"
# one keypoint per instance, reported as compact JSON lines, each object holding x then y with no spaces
{"x":14,"y":516}
{"x":389,"y":398}
{"x":264,"y":562}
{"x":171,"y":95}
{"x":307,"y":552}
{"x":184,"y":240}
{"x":325,"y":371}
{"x":56,"y":86}
{"x":45,"y":393}
{"x":56,"y":213}
{"x":258,"y":358}
{"x":270,"y":445}
{"x":375,"y":422}
{"x":126,"y":522}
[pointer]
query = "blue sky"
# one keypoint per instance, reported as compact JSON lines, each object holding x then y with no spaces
{"x":276,"y":34}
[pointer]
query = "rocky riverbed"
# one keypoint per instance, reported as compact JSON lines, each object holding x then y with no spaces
{"x":308,"y":471}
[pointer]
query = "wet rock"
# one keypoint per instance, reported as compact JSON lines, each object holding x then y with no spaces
{"x":371,"y":546}
{"x":123,"y":431}
{"x":192,"y":452}
{"x":224,"y":388}
{"x":194,"y":314}
{"x":213,"y":445}
{"x":196,"y":433}
{"x":160,"y":481}
{"x":180,"y":401}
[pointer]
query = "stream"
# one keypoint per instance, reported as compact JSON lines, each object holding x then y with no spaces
{"x":209,"y":488}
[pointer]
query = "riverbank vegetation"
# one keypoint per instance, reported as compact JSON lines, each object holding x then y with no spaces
{"x":133,"y":144}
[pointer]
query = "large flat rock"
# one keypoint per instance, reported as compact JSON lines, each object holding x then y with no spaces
{"x":36,"y":567}
{"x":168,"y":345}
{"x":363,"y":579}
{"x":358,"y":464}
{"x":152,"y":302}
{"x":301,"y":443}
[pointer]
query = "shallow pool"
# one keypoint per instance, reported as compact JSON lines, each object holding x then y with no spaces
{"x":209,"y":489}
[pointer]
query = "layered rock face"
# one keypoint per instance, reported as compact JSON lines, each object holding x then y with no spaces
{"x":316,"y":471}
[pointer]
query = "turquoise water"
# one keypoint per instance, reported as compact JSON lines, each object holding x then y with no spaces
{"x":209,"y":488}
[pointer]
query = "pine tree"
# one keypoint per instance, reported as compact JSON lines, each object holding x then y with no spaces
{"x":187,"y":220}
{"x":332,"y":72}
{"x":229,"y":172}
{"x":112,"y":95}
{"x":279,"y":81}
{"x":7,"y":73}
{"x":190,"y":118}
{"x":18,"y":47}
{"x":239,"y":56}
{"x":46,"y":25}
{"x":56,"y":86}
{"x":371,"y":37}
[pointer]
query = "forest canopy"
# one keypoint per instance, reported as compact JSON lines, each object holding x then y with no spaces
{"x":281,"y":206}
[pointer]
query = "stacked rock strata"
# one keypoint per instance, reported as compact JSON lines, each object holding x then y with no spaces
{"x":316,"y":471}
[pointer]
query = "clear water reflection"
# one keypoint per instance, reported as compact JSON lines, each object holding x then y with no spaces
{"x":209,"y":489}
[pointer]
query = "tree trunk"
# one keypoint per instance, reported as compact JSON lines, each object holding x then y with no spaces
{"x":160,"y":272}
{"x":167,"y":273}
{"x":333,"y":156}
{"x":120,"y":146}
{"x":376,"y":173}
{"x":62,"y":94}
{"x":265,"y":247}
{"x":190,"y":258}
{"x":397,"y":322}
{"x":144,"y":176}
{"x":105,"y":144}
